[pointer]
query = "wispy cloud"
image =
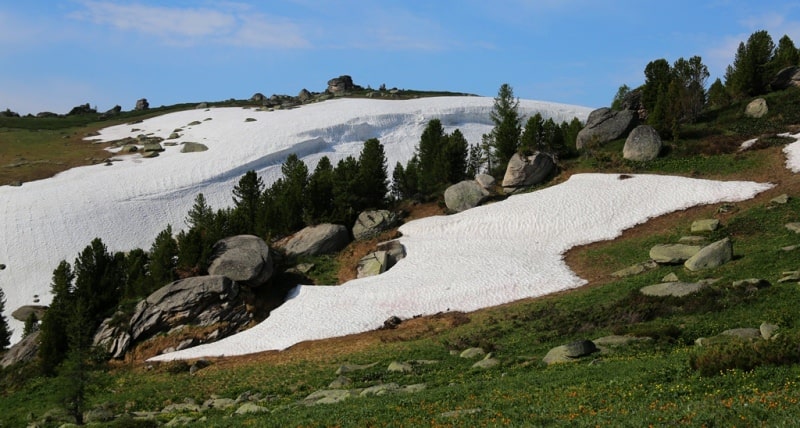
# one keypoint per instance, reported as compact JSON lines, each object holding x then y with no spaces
{"x":227,"y":23}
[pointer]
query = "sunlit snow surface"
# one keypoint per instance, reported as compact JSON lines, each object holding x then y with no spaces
{"x":793,"y":152}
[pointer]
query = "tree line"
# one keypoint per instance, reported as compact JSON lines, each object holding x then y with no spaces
{"x":675,"y":94}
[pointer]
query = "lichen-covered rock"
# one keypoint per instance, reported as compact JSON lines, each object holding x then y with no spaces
{"x":756,"y":108}
{"x":191,"y":147}
{"x":464,"y":195}
{"x":525,"y":171}
{"x":673,"y":253}
{"x":372,"y":222}
{"x":711,"y":256}
{"x":316,"y":240}
{"x":604,"y":125}
{"x":244,"y":258}
{"x":643,"y":144}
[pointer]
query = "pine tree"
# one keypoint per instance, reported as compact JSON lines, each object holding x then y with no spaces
{"x":476,"y":160}
{"x":291,"y":198}
{"x":622,"y":92}
{"x":201,"y":215}
{"x":5,"y":333}
{"x":531,"y":139}
{"x":749,"y":74}
{"x":319,"y":201}
{"x":372,"y":178}
{"x":456,"y":156}
{"x":786,"y":55}
{"x":429,"y":152}
{"x":98,"y":281}
{"x":507,"y":129}
{"x":53,"y":342}
{"x":718,"y":95}
{"x":246,"y":198}
{"x":345,"y":181}
{"x":162,"y":258}
{"x":31,"y":325}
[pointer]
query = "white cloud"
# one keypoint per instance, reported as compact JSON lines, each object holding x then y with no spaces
{"x":226,"y":23}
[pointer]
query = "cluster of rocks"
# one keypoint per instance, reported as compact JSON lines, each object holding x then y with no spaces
{"x":576,"y":350}
{"x":337,"y":87}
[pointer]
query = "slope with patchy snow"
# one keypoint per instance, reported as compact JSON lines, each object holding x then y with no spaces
{"x":128,"y":203}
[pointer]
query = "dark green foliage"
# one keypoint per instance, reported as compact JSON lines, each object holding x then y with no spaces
{"x":718,"y":95}
{"x":135,"y":272}
{"x":5,"y":333}
{"x":739,"y":354}
{"x":404,"y":180}
{"x":656,"y":84}
{"x":319,"y":199}
{"x":674,"y":96}
{"x":532,"y":138}
{"x":345,"y":182}
{"x":476,"y":160}
{"x":622,"y":92}
{"x":786,"y":55}
{"x":205,"y":229}
{"x":454,"y":159}
{"x":440,"y":159}
{"x":429,"y":153}
{"x":289,"y":195}
{"x":31,"y":325}
{"x":53,"y":338}
{"x":246,"y":200}
{"x":201,"y":216}
{"x":750,"y":72}
{"x":373,"y":183}
{"x":507,"y":128}
{"x":162,"y":259}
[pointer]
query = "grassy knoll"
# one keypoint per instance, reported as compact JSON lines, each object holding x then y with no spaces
{"x":664,"y":381}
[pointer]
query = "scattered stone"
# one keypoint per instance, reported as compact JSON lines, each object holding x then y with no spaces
{"x":396,"y":366}
{"x":372,"y":264}
{"x":768,"y":331}
{"x":675,"y":289}
{"x":756,"y":283}
{"x":194,"y":123}
{"x":198,"y":365}
{"x":329,"y":396}
{"x":152,"y":147}
{"x":472,"y":353}
{"x":180,"y":421}
{"x":617,"y":340}
{"x":340,"y":382}
{"x":251,"y":408}
{"x":580,"y":348}
{"x":706,"y":225}
{"x":149,"y":155}
{"x":743,"y":333}
{"x":465,"y":195}
{"x":250,"y":119}
{"x":756,"y":108}
{"x":187,"y":406}
{"x":392,"y":322}
{"x":711,"y":256}
{"x":174,"y":136}
{"x":487,"y":362}
{"x":789,"y":276}
{"x":670,"y":277}
{"x":341,"y":85}
{"x":781,"y":199}
{"x":191,"y":147}
{"x":794,"y":227}
{"x":643,"y":144}
{"x":673,"y":253}
{"x":304,"y":95}
{"x":377,"y":390}
{"x":692,"y":240}
{"x":486,"y":181}
{"x":727,"y":208}
{"x":349,"y":368}
{"x":635,"y":269}
{"x":219,"y":403}
{"x":98,"y":415}
{"x":790,"y":247}
{"x":372,"y":222}
{"x":461,"y":412}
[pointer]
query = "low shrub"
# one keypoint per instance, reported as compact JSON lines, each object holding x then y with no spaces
{"x":745,"y":355}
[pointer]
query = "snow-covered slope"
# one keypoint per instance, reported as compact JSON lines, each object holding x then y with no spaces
{"x":128,"y":203}
{"x":482,"y":257}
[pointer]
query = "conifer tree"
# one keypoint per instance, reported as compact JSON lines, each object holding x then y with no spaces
{"x":319,"y":201}
{"x":531,"y":139}
{"x":53,"y":342}
{"x":749,"y":74}
{"x":507,"y":129}
{"x":345,"y":181}
{"x":786,"y":55}
{"x":291,"y":198}
{"x":98,"y":282}
{"x":429,"y":153}
{"x":372,"y":178}
{"x":455,"y":157}
{"x":162,"y":258}
{"x":5,"y":333}
{"x":246,"y":199}
{"x":476,"y":160}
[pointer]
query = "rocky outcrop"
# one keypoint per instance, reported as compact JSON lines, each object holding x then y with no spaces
{"x":341,"y":85}
{"x":786,"y":78}
{"x":673,"y":253}
{"x":203,"y":301}
{"x":604,"y":125}
{"x":486,"y":181}
{"x":465,"y":195}
{"x":244,"y":258}
{"x":23,"y":351}
{"x":372,"y":222}
{"x":304,"y":96}
{"x":24,"y":312}
{"x":315,"y":240}
{"x":81,"y":110}
{"x":711,"y":256}
{"x":113,"y":338}
{"x":756,"y":108}
{"x":525,"y":171}
{"x":643,"y":144}
{"x":258,"y":97}
{"x":142,"y":104}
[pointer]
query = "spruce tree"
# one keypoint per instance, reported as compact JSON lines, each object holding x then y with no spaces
{"x":373,"y":183}
{"x":475,"y":161}
{"x":531,"y":139}
{"x":291,"y":199}
{"x":319,"y":200}
{"x":162,"y":258}
{"x":507,"y":129}
{"x":786,"y":55}
{"x":345,"y":181}
{"x":246,"y":198}
{"x":749,"y":75}
{"x":429,"y":153}
{"x":98,"y":283}
{"x":201,"y":215}
{"x":53,"y":342}
{"x":5,"y":333}
{"x":455,"y":157}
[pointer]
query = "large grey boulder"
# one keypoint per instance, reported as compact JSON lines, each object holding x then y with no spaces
{"x":756,"y":108}
{"x":372,"y":264}
{"x":142,"y":104}
{"x":711,"y":256}
{"x":643,"y":144}
{"x":526,"y":171}
{"x":201,"y":301}
{"x":486,"y":181}
{"x":604,"y":125}
{"x":304,"y":95}
{"x":673,"y":253}
{"x":464,"y":195}
{"x":315,"y":240}
{"x":22,"y":351}
{"x":372,"y":222}
{"x":395,"y":251}
{"x":674,"y":289}
{"x":786,"y":78}
{"x":243,"y":258}
{"x":341,"y":85}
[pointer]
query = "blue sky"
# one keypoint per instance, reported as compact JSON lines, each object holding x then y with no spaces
{"x":58,"y":54}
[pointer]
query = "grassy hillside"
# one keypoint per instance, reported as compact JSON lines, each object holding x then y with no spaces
{"x":665,"y":380}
